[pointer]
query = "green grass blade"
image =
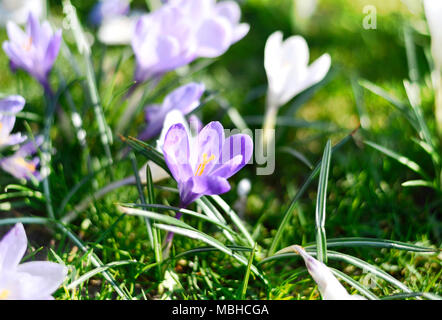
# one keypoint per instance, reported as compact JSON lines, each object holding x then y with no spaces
{"x":419,"y":183}
{"x":401,"y":296}
{"x":398,"y":157}
{"x":151,"y":200}
{"x":372,"y":242}
{"x":333,"y":255}
{"x":212,"y":212}
{"x":298,"y":155}
{"x":141,"y":195}
{"x":209,"y":249}
{"x":305,"y":185}
{"x":171,"y":220}
{"x":84,"y":49}
{"x":321,"y":199}
{"x":147,"y":150}
{"x":235,"y":219}
{"x":247,"y":274}
{"x":98,"y":270}
{"x":195,"y":234}
{"x":364,"y":291}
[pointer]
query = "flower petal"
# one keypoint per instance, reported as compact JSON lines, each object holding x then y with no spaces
{"x":52,"y":50}
{"x":185,"y":98}
{"x":12,"y":104}
{"x":329,"y":286}
{"x":198,"y":186}
{"x":229,"y":10}
{"x":13,"y":247}
{"x":173,"y":117}
{"x":236,"y":153}
{"x":209,"y":144}
{"x":176,"y":153}
{"x":43,"y":278}
{"x":214,"y":36}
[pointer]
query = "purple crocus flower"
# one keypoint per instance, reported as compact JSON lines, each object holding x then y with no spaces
{"x":201,"y":165}
{"x":18,"y":163}
{"x":185,"y":99}
{"x":106,"y":9}
{"x":35,"y":280}
{"x":9,"y":106}
{"x":183,"y":30}
{"x":35,"y":50}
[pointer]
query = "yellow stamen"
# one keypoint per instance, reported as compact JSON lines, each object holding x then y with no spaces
{"x":202,"y":165}
{"x":4,"y":294}
{"x":22,"y":162}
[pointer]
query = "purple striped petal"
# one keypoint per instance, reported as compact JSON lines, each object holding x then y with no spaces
{"x":176,"y":152}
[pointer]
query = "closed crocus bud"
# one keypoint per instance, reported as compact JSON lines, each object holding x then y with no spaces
{"x":329,"y":286}
{"x":288,"y":73}
{"x":18,"y":10}
{"x":287,"y":68}
{"x":35,"y":280}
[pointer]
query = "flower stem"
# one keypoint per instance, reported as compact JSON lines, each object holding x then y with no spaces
{"x":46,"y":147}
{"x":438,"y":102}
{"x":269,"y":124}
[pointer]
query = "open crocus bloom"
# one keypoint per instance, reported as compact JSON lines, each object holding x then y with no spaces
{"x":329,"y":286}
{"x":9,"y":106}
{"x":185,"y":99}
{"x":19,"y":165}
{"x":288,"y":72}
{"x":202,"y":164}
{"x":35,"y":280}
{"x":107,"y":9}
{"x":18,"y":10}
{"x":183,"y":30}
{"x":35,"y":50}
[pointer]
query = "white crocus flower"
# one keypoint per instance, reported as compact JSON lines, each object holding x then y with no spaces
{"x":35,"y":280}
{"x":304,"y":9}
{"x":118,"y":30}
{"x":286,"y":65}
{"x":18,"y":10}
{"x":288,"y":73}
{"x":329,"y":286}
{"x":433,"y":13}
